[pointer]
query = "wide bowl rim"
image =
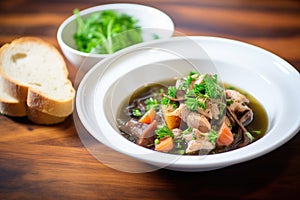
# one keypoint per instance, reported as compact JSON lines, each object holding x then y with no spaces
{"x":101,"y":8}
{"x":210,"y":161}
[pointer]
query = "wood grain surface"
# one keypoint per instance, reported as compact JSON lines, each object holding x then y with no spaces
{"x":51,"y":162}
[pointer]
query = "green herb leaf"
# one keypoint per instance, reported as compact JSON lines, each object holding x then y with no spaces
{"x":199,"y":89}
{"x":212,"y":136}
{"x":192,"y":104}
{"x":136,"y":112}
{"x":212,"y":88}
{"x":229,"y":102}
{"x":151,"y":103}
{"x":187,"y":82}
{"x":165,"y":101}
{"x":163,"y":132}
{"x":172,"y":91}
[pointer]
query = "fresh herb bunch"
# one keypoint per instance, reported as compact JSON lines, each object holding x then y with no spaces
{"x":106,"y":32}
{"x":196,"y":96}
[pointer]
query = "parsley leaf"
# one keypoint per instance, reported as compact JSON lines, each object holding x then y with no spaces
{"x":163,"y":132}
{"x":212,"y":88}
{"x":193,"y":104}
{"x":199,"y":89}
{"x":165,"y":101}
{"x":212,"y":136}
{"x":136,"y":112}
{"x":187,"y":82}
{"x":172,"y":91}
{"x":151,"y":103}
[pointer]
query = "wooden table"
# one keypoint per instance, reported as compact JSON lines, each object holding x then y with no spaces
{"x":50,"y":162}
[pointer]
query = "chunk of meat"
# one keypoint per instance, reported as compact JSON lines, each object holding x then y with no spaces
{"x":200,"y":142}
{"x":236,"y":96}
{"x":239,"y":106}
{"x":144,"y":133}
{"x":177,"y":132}
{"x":194,"y":119}
{"x":208,"y":111}
{"x":188,"y":137}
{"x":211,"y":111}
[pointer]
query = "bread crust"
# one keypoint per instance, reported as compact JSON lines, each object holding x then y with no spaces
{"x":30,"y":101}
{"x":13,"y":109}
{"x":14,"y":89}
{"x":39,"y":117}
{"x":58,"y":108}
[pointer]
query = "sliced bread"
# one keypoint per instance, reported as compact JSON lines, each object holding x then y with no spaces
{"x":34,"y":71}
{"x":39,"y":117}
{"x":12,"y":107}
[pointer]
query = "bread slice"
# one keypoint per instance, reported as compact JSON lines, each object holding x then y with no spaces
{"x":34,"y":71}
{"x":9,"y":105}
{"x":39,"y":117}
{"x":12,"y":107}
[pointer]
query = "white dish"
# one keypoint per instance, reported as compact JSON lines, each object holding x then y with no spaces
{"x":264,"y":75}
{"x":151,"y":20}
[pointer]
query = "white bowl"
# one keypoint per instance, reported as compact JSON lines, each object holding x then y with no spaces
{"x":151,"y":21}
{"x":270,"y":79}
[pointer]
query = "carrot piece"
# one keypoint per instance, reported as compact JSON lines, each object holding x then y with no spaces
{"x":225,"y":136}
{"x":172,"y":121}
{"x":148,"y":117}
{"x":165,"y":144}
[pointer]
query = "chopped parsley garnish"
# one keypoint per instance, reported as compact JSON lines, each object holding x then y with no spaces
{"x":212,"y":136}
{"x":172,"y":91}
{"x":151,"y":103}
{"x":163,"y":132}
{"x":199,"y":89}
{"x":172,"y":94}
{"x":208,"y":88}
{"x":229,"y":102}
{"x":212,"y":87}
{"x":165,"y":101}
{"x":136,"y":112}
{"x":187,"y":82}
{"x":194,"y":104}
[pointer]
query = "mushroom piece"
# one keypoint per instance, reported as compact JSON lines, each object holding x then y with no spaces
{"x":144,"y":133}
